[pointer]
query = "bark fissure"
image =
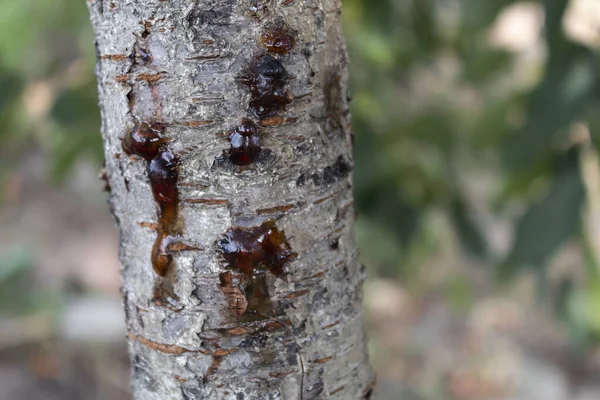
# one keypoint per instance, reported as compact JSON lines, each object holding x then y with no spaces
{"x":241,"y":276}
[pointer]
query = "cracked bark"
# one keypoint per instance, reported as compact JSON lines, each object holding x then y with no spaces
{"x":238,"y":195}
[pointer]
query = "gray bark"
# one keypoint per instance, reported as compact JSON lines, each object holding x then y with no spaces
{"x":212,"y":327}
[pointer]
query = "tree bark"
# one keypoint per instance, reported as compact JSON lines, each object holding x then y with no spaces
{"x":228,"y":156}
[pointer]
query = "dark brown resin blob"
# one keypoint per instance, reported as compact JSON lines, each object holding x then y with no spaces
{"x":251,"y":251}
{"x":245,"y":143}
{"x":278,"y":39}
{"x":145,"y":140}
{"x":248,"y":249}
{"x":266,"y":80}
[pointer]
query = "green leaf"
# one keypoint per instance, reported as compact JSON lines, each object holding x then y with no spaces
{"x":554,"y":12}
{"x":78,"y":107}
{"x":491,"y":126}
{"x":379,"y":197}
{"x":11,"y":86}
{"x":569,"y":84}
{"x":550,"y":222}
{"x":15,"y":265}
{"x":434,"y":126}
{"x":15,"y":261}
{"x":459,"y":293}
{"x":390,"y":209}
{"x":423,"y":25}
{"x":556,"y":103}
{"x":78,"y":134}
{"x":477,"y":15}
{"x":468,"y":232}
{"x":486,"y":63}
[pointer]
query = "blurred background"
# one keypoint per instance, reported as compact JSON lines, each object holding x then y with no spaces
{"x":477,"y":182}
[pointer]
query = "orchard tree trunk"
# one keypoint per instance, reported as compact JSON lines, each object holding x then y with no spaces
{"x":228,"y":154}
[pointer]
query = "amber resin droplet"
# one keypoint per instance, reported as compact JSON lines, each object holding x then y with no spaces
{"x":250,"y":249}
{"x":161,"y":257}
{"x":278,"y":39}
{"x":266,"y":81}
{"x":144,"y":140}
{"x":245,"y":143}
{"x":163,"y":173}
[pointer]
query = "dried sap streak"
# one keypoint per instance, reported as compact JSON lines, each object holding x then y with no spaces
{"x":146,"y":141}
{"x":252,"y":251}
{"x":266,"y":79}
{"x":278,"y":39}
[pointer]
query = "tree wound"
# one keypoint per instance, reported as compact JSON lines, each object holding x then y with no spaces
{"x":252,"y":249}
{"x":251,"y":252}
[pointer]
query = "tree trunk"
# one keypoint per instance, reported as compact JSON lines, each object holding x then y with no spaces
{"x":228,"y":154}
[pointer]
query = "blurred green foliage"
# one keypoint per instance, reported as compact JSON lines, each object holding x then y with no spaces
{"x":48,"y":97}
{"x":446,"y":122}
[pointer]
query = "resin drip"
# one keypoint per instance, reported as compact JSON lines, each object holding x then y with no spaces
{"x":146,"y":141}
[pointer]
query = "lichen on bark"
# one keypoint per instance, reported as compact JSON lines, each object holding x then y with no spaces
{"x":286,"y":322}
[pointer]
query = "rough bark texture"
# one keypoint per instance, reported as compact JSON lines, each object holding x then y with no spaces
{"x":228,"y":153}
